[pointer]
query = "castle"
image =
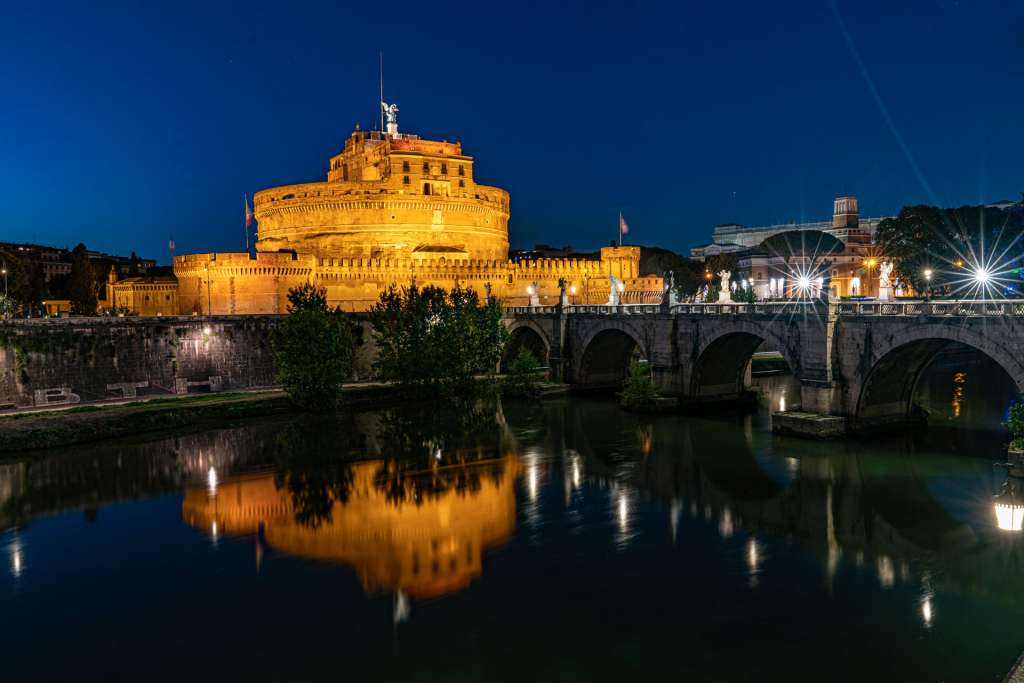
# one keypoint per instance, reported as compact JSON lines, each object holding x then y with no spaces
{"x":395,"y":209}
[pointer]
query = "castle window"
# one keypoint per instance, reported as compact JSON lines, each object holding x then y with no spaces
{"x":344,"y":172}
{"x":405,"y":167}
{"x":405,"y":179}
{"x":426,"y":167}
{"x":444,"y":169}
{"x":426,"y":188}
{"x":462,"y":183}
{"x":462,"y":170}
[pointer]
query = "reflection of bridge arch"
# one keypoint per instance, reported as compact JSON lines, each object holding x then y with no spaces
{"x":606,"y":354}
{"x":525,"y":334}
{"x":722,"y":358}
{"x":892,"y":370}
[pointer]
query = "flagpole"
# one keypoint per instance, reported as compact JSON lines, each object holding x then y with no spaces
{"x":245,"y":220}
{"x":380,"y":107}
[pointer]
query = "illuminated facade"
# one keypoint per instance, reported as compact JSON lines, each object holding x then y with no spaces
{"x":423,"y":548}
{"x":394,"y":209}
{"x":772,"y":259}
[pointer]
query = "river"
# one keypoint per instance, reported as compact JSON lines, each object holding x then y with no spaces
{"x":560,"y":541}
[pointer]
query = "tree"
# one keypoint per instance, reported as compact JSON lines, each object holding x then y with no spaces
{"x":521,"y":378}
{"x":83,"y":282}
{"x":1015,"y":423}
{"x":638,"y":392}
{"x":950,"y":243}
{"x":312,"y":350}
{"x":18,"y":287}
{"x":433,"y":341}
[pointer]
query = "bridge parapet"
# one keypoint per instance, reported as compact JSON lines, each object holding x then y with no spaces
{"x":967,"y":309}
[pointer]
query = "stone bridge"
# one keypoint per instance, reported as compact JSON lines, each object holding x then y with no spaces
{"x":860,"y":360}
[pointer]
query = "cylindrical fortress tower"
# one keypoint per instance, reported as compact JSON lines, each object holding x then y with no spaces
{"x":388,"y":197}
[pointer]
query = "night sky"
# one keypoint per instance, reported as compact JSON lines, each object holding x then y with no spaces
{"x":121,"y":126}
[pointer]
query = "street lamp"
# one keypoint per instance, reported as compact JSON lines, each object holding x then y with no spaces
{"x":928,"y":285}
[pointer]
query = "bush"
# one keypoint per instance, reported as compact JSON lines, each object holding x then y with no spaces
{"x":638,"y":392}
{"x":1015,"y":423}
{"x":434,"y":342}
{"x":522,"y":378}
{"x":312,"y":350}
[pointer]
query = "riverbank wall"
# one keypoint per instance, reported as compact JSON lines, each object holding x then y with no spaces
{"x":81,"y":360}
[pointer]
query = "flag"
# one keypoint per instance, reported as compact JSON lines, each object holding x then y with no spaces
{"x":623,"y":226}
{"x":248,"y":211}
{"x":170,"y":246}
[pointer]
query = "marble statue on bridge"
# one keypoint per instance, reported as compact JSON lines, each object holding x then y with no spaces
{"x":724,"y":296}
{"x":613,"y":294}
{"x":885,"y":281}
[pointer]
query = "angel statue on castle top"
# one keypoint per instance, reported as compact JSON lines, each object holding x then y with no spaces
{"x":390,"y":111}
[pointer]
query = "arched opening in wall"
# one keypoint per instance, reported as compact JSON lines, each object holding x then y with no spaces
{"x":946,"y":385}
{"x":606,"y":360}
{"x":525,"y":337}
{"x":741,"y":367}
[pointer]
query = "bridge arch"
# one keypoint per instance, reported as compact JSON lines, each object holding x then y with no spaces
{"x":606,"y":354}
{"x":899,"y":375}
{"x":526,"y":334}
{"x":722,"y":359}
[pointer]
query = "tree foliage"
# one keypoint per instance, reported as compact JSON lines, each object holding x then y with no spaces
{"x":1015,"y":423}
{"x":434,"y":341}
{"x":929,"y":238}
{"x":638,"y":392}
{"x":25,"y":283}
{"x":522,"y":378}
{"x":83,"y":282}
{"x":312,"y":350}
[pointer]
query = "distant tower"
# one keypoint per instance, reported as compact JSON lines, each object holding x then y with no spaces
{"x":846,"y":221}
{"x":844,"y":213}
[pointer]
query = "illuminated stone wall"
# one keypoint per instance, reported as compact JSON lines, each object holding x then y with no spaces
{"x":88,"y":359}
{"x":236,"y":283}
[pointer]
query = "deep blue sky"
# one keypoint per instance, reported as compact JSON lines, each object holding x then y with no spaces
{"x":122,"y":125}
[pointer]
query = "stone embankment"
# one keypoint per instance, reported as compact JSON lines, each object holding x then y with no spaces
{"x":27,"y":431}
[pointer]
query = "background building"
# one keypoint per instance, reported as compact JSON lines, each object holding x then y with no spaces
{"x":772,"y":259}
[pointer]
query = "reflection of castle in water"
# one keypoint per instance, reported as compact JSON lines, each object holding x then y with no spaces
{"x":424,"y":547}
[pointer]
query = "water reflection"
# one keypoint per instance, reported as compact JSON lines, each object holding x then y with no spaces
{"x":421,"y":548}
{"x":414,"y":502}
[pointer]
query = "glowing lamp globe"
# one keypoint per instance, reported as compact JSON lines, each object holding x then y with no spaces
{"x":981,"y":276}
{"x":1009,"y":515}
